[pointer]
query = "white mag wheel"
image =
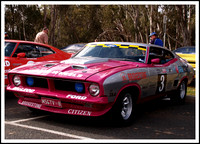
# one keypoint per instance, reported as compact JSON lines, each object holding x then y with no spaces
{"x":182,"y":90}
{"x":127,"y":106}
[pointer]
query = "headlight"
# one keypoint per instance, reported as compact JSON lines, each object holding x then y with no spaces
{"x":29,"y":81}
{"x":16,"y":80}
{"x":79,"y":87}
{"x":94,"y":89}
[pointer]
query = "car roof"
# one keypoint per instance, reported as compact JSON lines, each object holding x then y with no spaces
{"x":28,"y":42}
{"x":126,"y":43}
{"x":186,"y":47}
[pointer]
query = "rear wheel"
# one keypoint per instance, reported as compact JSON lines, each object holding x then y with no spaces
{"x":180,"y":94}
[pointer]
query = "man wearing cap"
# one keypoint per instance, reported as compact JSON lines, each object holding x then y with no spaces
{"x":155,"y":40}
{"x":6,"y":35}
{"x":42,"y":37}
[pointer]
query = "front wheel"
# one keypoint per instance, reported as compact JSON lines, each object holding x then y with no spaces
{"x":124,"y":108}
{"x":127,"y":106}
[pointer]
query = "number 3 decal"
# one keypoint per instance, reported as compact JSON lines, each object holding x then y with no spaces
{"x":161,"y":82}
{"x":162,"y":79}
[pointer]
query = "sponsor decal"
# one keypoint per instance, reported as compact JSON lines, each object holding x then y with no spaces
{"x":110,"y":45}
{"x":112,"y":93}
{"x":164,"y":71}
{"x":136,"y":76}
{"x":117,"y":45}
{"x":133,"y":76}
{"x":37,"y":71}
{"x":67,"y":74}
{"x":123,"y":76}
{"x":17,"y":64}
{"x":76,"y":97}
{"x":176,"y":68}
{"x":6,"y":71}
{"x":31,"y":104}
{"x":180,"y":69}
{"x":7,"y":63}
{"x":23,"y":89}
{"x":79,"y":112}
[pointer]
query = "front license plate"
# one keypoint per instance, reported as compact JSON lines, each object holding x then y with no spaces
{"x":51,"y":102}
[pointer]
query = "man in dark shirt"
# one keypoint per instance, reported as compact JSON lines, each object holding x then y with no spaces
{"x":6,"y":35}
{"x":155,"y":40}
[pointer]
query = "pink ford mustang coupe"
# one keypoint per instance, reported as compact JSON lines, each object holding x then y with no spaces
{"x":103,"y":77}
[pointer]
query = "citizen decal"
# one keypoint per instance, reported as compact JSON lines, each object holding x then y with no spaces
{"x":79,"y":112}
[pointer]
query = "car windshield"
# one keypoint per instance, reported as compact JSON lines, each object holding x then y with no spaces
{"x":114,"y":51}
{"x":9,"y":47}
{"x":185,"y":50}
{"x":73,"y":47}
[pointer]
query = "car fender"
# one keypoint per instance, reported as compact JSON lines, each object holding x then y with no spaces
{"x":130,"y":85}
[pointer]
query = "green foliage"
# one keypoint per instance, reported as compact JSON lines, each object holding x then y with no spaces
{"x":85,"y":23}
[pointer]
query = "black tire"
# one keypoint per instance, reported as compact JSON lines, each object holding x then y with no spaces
{"x":123,"y":111}
{"x":179,"y":96}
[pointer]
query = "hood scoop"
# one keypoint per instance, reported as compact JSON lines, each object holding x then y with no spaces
{"x":78,"y":67}
{"x":49,"y":65}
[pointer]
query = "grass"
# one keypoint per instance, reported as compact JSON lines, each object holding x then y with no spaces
{"x":191,"y":89}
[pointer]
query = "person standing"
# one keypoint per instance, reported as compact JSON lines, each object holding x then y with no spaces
{"x":42,"y":37}
{"x":6,"y":35}
{"x":155,"y":40}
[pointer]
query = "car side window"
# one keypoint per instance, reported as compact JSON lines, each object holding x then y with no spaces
{"x":154,"y":53}
{"x":164,"y":55}
{"x":32,"y":51}
{"x":9,"y":47}
{"x":20,"y":49}
{"x":45,"y":51}
{"x":167,"y":56}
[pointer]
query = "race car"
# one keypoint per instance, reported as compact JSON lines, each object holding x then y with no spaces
{"x":18,"y":52}
{"x":102,"y":78}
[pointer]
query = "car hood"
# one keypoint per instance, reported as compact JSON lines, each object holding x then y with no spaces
{"x":74,"y":68}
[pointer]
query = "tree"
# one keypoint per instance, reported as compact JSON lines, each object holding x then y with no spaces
{"x":84,"y":23}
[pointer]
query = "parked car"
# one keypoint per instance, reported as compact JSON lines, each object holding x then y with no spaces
{"x":19,"y":52}
{"x":73,"y":48}
{"x":104,"y":77}
{"x":187,"y":53}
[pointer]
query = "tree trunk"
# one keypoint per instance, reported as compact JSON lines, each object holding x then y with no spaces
{"x":23,"y":25}
{"x":53,"y":22}
{"x":13,"y":20}
{"x":151,"y":18}
{"x":183,"y":25}
{"x":45,"y":15}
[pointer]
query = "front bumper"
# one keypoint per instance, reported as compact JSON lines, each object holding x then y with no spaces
{"x":71,"y":103}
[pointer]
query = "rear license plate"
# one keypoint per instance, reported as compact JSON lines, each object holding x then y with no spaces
{"x":51,"y":102}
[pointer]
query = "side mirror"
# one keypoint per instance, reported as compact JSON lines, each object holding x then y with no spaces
{"x":155,"y":61}
{"x":21,"y":55}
